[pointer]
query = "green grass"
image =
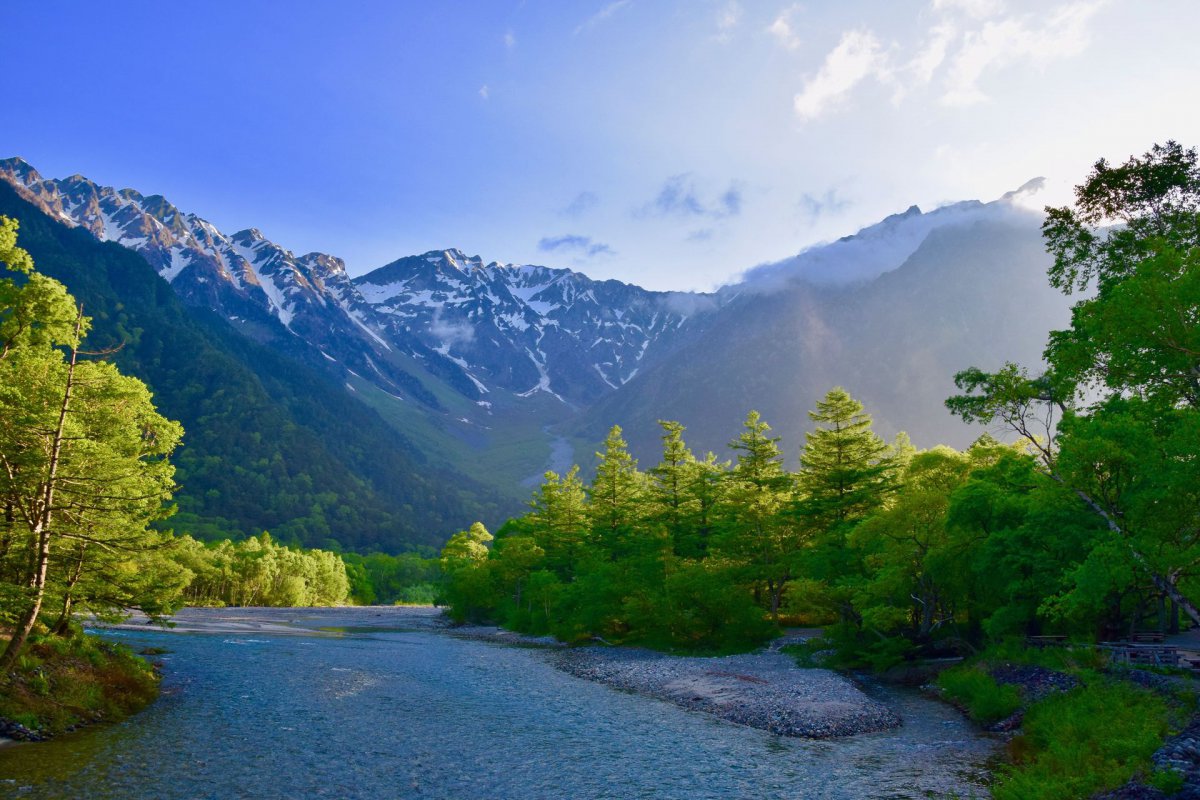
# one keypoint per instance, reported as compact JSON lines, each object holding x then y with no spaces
{"x":1085,"y":741}
{"x":975,"y":690}
{"x":58,"y":683}
{"x":1074,"y":660}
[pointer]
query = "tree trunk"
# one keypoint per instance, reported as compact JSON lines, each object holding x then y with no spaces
{"x":64,"y":619}
{"x":1161,"y":582}
{"x":41,"y":527}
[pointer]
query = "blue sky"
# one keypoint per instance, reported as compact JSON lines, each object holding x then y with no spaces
{"x":672,"y":144}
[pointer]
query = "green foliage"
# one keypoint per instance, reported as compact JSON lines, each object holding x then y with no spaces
{"x":259,"y":572}
{"x":62,"y":682}
{"x":1091,"y":739}
{"x":985,"y":700}
{"x":1114,"y":417}
{"x":1167,"y":781}
{"x":274,"y":443}
{"x":381,"y":579}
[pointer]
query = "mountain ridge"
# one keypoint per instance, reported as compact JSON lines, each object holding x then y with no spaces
{"x":507,"y":369}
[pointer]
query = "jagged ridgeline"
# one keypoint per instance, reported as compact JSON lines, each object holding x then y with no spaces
{"x":271,"y":444}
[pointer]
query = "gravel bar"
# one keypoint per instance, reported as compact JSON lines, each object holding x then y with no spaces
{"x":762,"y":690}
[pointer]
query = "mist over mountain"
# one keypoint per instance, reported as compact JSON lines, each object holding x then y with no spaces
{"x":973,"y":292}
{"x":501,"y":371}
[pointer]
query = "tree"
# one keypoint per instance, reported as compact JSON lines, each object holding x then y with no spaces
{"x":908,"y":551}
{"x":672,"y":507}
{"x":1129,"y":360}
{"x":845,"y":468}
{"x":465,"y":567}
{"x":83,"y":457}
{"x":614,"y":502}
{"x":754,"y":529}
{"x":846,"y":472}
{"x":559,"y":520}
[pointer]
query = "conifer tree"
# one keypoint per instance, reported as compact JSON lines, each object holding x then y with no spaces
{"x":754,"y":529}
{"x":846,"y":470}
{"x":559,"y":520}
{"x":615,"y":499}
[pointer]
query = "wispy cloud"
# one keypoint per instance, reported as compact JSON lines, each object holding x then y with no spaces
{"x":972,"y":8}
{"x":965,"y":41}
{"x":727,"y":20}
{"x":679,"y":197}
{"x":815,"y":206}
{"x":582,"y":203}
{"x":1015,"y":40}
{"x":451,"y":331}
{"x":484,"y":92}
{"x":510,"y":39}
{"x":858,"y":56}
{"x":581,"y":245}
{"x":784,"y":28}
{"x":602,"y":15}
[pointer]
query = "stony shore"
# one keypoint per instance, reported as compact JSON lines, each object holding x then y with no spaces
{"x":763,"y":690}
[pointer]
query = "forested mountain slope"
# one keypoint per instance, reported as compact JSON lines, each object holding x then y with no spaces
{"x":270,"y":442}
{"x":971,"y":293}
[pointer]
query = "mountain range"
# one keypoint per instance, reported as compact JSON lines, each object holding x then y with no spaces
{"x":488,"y":373}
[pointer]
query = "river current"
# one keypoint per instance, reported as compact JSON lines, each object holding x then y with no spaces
{"x":418,"y":714}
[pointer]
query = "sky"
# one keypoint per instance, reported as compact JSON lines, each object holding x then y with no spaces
{"x":669,"y":143}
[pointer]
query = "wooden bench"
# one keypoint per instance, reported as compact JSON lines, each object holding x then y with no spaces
{"x":1143,"y":655}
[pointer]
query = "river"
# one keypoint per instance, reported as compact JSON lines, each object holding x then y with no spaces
{"x":390,"y":713}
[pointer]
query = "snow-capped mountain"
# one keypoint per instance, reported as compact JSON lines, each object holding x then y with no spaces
{"x":528,"y":329}
{"x":505,"y":368}
{"x":480,"y":328}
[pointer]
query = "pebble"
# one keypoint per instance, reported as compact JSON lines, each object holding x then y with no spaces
{"x":761,"y":690}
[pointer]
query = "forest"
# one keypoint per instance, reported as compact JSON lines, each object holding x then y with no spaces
{"x":1074,"y":513}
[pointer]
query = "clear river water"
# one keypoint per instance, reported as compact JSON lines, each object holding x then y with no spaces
{"x":418,"y":714}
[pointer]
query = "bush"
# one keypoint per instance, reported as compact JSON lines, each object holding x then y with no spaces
{"x":60,"y":682}
{"x":985,"y":700}
{"x":1085,"y":741}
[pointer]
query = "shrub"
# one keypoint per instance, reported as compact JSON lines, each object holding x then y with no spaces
{"x":1085,"y":741}
{"x":985,"y":700}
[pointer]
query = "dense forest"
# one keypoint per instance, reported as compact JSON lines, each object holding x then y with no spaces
{"x":1084,"y":524}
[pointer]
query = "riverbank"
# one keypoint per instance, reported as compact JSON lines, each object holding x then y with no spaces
{"x":60,"y":684}
{"x":764,"y":690}
{"x":402,"y":709}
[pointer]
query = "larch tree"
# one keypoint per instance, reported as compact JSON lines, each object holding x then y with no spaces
{"x":753,"y":529}
{"x":559,"y":520}
{"x":846,"y":472}
{"x":615,"y":498}
{"x":83,"y":457}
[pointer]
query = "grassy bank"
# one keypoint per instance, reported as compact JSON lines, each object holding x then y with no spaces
{"x":1085,"y":729}
{"x":61,"y":683}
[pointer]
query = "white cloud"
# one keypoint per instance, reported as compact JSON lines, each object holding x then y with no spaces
{"x":483,"y":91}
{"x":858,"y":56}
{"x":968,"y":40}
{"x":784,"y":30}
{"x":601,"y":15}
{"x":1015,"y":40}
{"x":932,"y":53}
{"x":727,"y":20}
{"x":510,"y":39}
{"x":972,"y":8}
